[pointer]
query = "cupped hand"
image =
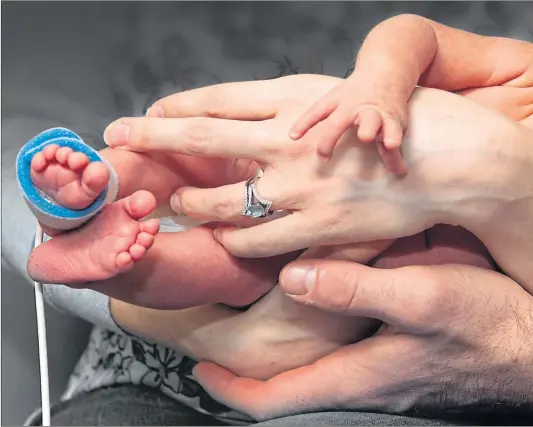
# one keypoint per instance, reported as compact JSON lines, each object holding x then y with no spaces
{"x":352,"y":198}
{"x":456,"y":337}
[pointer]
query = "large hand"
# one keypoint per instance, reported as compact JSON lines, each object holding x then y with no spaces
{"x":352,"y":198}
{"x":458,"y":337}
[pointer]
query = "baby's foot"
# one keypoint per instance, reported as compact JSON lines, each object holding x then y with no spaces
{"x":68,"y":177}
{"x":108,"y":245}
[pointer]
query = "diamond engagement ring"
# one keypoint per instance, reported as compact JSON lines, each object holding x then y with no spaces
{"x":254,"y":205}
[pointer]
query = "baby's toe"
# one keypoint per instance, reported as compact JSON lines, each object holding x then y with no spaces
{"x":39,"y":163}
{"x":62,"y":155}
{"x":124,"y":262}
{"x":145,"y":239}
{"x":150,"y":226}
{"x":49,"y":152}
{"x":94,"y":179}
{"x":137,"y":251}
{"x":140,"y":204}
{"x":77,"y":161}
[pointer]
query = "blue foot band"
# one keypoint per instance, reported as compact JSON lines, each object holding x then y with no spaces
{"x":46,"y":210}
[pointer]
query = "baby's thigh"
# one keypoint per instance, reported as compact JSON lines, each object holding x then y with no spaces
{"x":442,"y":244}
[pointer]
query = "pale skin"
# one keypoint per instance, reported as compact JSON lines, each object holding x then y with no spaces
{"x":388,"y":68}
{"x":318,"y":333}
{"x":483,"y":137}
{"x":437,"y":350}
{"x":117,"y":262}
{"x":517,"y":107}
{"x":375,"y":97}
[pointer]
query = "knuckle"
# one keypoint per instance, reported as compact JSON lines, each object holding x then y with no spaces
{"x":215,"y":104}
{"x":252,"y":246}
{"x":295,"y":150}
{"x":337,"y":293}
{"x":197,"y":135}
{"x":270,"y":143}
{"x":187,"y":206}
{"x":224,"y":208}
{"x":140,"y":136}
{"x":438,"y":301}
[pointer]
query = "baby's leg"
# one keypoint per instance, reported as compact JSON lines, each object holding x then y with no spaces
{"x":180,"y":270}
{"x":163,"y":173}
{"x":296,"y":335}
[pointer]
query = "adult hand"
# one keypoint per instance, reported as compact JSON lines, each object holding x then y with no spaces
{"x":455,"y":336}
{"x":352,"y":198}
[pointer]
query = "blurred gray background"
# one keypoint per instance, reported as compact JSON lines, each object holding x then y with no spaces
{"x":83,"y":64}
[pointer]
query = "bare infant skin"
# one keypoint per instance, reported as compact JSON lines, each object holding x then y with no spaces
{"x":388,"y":68}
{"x":287,"y":335}
{"x":231,"y":280}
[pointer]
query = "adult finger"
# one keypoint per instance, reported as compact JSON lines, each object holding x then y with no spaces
{"x":307,"y":228}
{"x":200,"y":137}
{"x":287,"y":234}
{"x":409,"y":298}
{"x":226,"y":203}
{"x":347,"y":378}
{"x":255,"y":100}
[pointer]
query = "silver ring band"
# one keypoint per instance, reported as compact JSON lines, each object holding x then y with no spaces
{"x":254,"y":205}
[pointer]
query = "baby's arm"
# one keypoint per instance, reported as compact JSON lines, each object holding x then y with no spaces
{"x":407,"y":50}
{"x":400,"y":53}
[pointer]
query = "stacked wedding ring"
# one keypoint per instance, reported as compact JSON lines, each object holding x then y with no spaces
{"x":254,"y":205}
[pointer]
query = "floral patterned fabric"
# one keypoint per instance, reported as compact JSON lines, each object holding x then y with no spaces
{"x":114,"y":358}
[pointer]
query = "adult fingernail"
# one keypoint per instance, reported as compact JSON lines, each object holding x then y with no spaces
{"x":117,"y":134}
{"x":155,"y":111}
{"x":298,"y":280}
{"x":175,"y":203}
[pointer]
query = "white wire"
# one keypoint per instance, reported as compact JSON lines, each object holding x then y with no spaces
{"x":41,"y":336}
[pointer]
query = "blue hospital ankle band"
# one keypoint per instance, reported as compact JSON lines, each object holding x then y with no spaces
{"x":46,"y":210}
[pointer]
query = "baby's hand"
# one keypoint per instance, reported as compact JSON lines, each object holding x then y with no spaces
{"x":379,"y":115}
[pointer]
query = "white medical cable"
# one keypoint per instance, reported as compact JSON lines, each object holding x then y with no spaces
{"x":41,"y":336}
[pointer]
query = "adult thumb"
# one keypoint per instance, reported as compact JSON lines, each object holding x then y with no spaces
{"x":403,"y":297}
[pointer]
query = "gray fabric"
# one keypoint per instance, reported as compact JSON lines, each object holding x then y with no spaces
{"x":85,"y":303}
{"x":135,"y":405}
{"x":350,"y":419}
{"x":127,"y":406}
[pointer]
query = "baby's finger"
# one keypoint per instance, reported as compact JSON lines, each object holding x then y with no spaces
{"x":331,"y":130}
{"x":369,"y":123}
{"x":392,"y":133}
{"x":318,"y":112}
{"x":392,"y":159}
